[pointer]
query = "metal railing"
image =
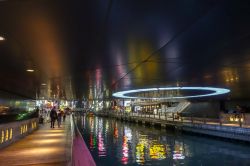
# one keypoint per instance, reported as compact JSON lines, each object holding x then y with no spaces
{"x":174,"y":117}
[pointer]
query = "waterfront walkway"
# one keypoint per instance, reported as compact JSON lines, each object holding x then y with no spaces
{"x":182,"y":120}
{"x":212,"y":127}
{"x":44,"y":147}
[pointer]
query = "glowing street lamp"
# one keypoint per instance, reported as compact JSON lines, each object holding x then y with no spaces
{"x":2,"y":38}
{"x":30,"y":70}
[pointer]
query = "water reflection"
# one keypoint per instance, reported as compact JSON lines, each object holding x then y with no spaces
{"x":140,"y":155}
{"x":116,"y":131}
{"x":157,"y":151}
{"x":101,"y":145}
{"x":178,"y":153}
{"x":125,"y":149}
{"x":115,"y":143}
{"x":92,"y":136}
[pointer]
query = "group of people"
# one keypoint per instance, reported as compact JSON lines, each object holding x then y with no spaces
{"x":54,"y":116}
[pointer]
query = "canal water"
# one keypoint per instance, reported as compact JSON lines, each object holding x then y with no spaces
{"x":114,"y":143}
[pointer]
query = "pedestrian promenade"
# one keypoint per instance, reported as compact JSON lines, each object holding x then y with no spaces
{"x":44,"y":147}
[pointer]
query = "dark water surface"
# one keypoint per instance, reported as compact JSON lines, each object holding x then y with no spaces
{"x":114,"y":143}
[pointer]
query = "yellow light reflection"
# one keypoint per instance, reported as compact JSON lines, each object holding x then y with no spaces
{"x":140,"y":155}
{"x":7,"y":135}
{"x":139,"y":53}
{"x":53,"y":134}
{"x":141,"y":148}
{"x":41,"y":150}
{"x":157,"y":151}
{"x":230,"y":75}
{"x":46,"y":141}
{"x":54,"y":131}
{"x":2,"y":139}
{"x":11,"y":133}
{"x":235,"y":119}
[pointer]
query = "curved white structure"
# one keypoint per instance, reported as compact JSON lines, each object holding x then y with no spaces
{"x":214,"y":92}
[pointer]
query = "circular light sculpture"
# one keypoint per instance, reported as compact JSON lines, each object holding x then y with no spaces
{"x":209,"y":91}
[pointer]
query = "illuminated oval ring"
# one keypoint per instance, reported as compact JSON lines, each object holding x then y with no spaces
{"x":215,"y":92}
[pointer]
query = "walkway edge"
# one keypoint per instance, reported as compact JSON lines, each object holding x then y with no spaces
{"x":70,"y":138}
{"x":81,"y":155}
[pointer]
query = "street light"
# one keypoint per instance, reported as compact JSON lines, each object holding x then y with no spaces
{"x":30,"y":70}
{"x":2,"y":38}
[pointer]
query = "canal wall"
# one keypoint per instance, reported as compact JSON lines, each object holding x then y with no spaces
{"x":79,"y":148}
{"x":228,"y":132}
{"x":12,"y":132}
{"x":195,"y":125}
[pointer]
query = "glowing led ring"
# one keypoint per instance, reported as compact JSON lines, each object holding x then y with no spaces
{"x":215,"y":91}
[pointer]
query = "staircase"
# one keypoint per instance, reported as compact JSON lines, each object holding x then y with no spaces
{"x":181,"y":107}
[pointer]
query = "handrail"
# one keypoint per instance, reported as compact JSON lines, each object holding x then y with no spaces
{"x":72,"y":133}
{"x":169,"y":117}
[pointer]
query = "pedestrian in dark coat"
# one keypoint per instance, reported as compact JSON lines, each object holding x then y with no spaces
{"x":53,"y":117}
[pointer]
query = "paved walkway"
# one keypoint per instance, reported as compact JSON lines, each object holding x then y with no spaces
{"x":44,"y":147}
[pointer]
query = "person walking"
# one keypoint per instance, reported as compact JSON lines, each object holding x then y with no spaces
{"x":53,"y":117}
{"x":64,"y":116}
{"x":59,"y":118}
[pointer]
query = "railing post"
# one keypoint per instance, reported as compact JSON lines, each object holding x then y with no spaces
{"x":173,"y":116}
{"x":192,"y":121}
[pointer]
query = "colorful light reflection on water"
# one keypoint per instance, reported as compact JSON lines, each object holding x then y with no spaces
{"x":112,"y":142}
